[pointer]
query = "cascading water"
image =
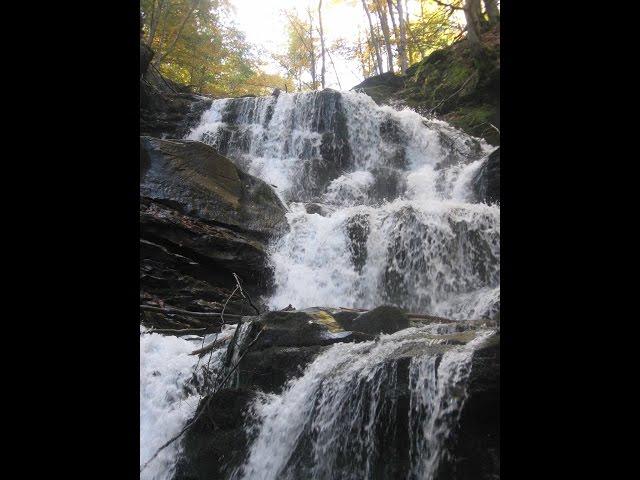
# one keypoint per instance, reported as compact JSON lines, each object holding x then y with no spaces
{"x":380,"y":212}
{"x":380,"y":205}
{"x":346,"y":416}
{"x":168,"y":395}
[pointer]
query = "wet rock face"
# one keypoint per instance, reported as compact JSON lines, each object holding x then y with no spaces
{"x":198,"y":181}
{"x":201,"y":219}
{"x":217,"y":441}
{"x":486,"y":183}
{"x":358,"y":233}
{"x":475,"y":453}
{"x":389,"y":183}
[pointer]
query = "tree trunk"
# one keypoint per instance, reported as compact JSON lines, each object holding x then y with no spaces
{"x":334,"y":69}
{"x":322,"y":69}
{"x":402,"y":42}
{"x":491,"y":6}
{"x":472,"y":15}
{"x":312,"y":54}
{"x":361,"y":57}
{"x":382,"y":15}
{"x":393,"y":20}
{"x":374,"y":42}
{"x":155,"y":19}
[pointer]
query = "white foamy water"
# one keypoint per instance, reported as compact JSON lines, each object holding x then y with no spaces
{"x":167,"y":398}
{"x":401,"y":225}
{"x":332,"y":421}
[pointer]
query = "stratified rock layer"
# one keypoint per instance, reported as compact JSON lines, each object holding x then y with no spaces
{"x":202,"y":219}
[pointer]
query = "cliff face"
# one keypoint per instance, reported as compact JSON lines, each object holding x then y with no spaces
{"x":452,"y":84}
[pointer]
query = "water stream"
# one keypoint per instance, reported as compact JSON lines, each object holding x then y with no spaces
{"x":380,"y":204}
{"x":381,"y":210}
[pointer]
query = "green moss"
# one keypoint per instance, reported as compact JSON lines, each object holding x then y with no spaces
{"x":476,"y":120}
{"x":458,"y":86}
{"x":379,"y":93}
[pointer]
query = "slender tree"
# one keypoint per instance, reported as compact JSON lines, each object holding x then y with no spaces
{"x":491,"y":7}
{"x":393,"y":20}
{"x":374,"y":42}
{"x":312,"y":52}
{"x":473,"y":16}
{"x":402,"y":40}
{"x":322,"y":49}
{"x":381,"y":11}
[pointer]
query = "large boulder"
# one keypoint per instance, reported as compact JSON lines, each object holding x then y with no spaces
{"x":201,"y":183}
{"x":202,"y":219}
{"x":283,"y":343}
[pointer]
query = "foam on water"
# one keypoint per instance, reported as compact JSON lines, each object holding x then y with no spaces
{"x":168,"y":398}
{"x":329,"y":423}
{"x":401,"y":225}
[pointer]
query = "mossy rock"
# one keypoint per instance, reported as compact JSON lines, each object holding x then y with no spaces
{"x":452,"y":83}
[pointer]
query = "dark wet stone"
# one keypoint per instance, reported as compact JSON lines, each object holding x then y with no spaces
{"x":358,"y":233}
{"x":384,"y":319}
{"x":217,"y":442}
{"x":486,"y":182}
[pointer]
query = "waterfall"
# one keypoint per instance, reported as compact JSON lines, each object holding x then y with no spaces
{"x":381,"y":210}
{"x":344,"y":416}
{"x":380,"y":205}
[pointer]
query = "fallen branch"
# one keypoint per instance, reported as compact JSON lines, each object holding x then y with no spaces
{"x":353,"y":309}
{"x":246,"y":297}
{"x":178,"y":311}
{"x":453,"y":94}
{"x":210,"y":346}
{"x":431,"y":318}
{"x":181,"y":331}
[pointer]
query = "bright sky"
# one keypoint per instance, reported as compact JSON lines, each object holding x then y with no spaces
{"x":264,"y":25}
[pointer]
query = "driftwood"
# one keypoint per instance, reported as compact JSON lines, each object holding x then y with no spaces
{"x":412,"y":316}
{"x":188,"y":313}
{"x":210,"y":346}
{"x":430,"y":318}
{"x":182,"y":331}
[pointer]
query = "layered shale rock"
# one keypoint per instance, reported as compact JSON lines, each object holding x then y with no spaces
{"x":202,"y":219}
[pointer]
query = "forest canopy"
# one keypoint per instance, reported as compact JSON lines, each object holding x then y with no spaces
{"x":197,"y":43}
